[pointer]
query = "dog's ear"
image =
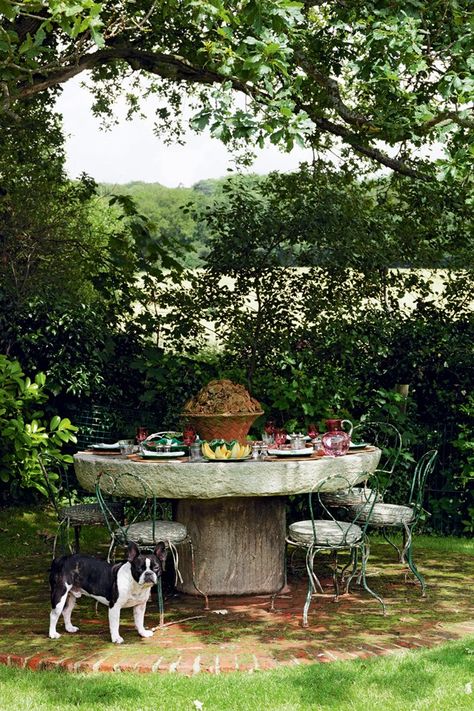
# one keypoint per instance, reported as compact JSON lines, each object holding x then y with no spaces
{"x":160,"y":552}
{"x":133,"y":551}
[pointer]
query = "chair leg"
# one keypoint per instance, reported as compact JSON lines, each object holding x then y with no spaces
{"x":59,"y":535}
{"x":310,"y":554}
{"x":408,"y":557}
{"x":62,"y":534}
{"x":159,"y":597}
{"x":111,"y":551}
{"x":278,"y":592}
{"x":292,"y":561}
{"x":334,"y":577}
{"x":275,"y":595}
{"x":354,"y":559}
{"x":400,"y":553}
{"x":346,"y":566}
{"x":365,"y":556}
{"x":77,"y":535}
{"x":404,"y":546}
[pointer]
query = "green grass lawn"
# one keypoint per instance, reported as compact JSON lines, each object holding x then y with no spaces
{"x":432,"y":680}
{"x":439,"y":679}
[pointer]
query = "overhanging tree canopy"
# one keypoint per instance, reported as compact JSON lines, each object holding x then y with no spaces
{"x":390,"y":73}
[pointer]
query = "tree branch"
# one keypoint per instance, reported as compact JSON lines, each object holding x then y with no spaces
{"x":354,"y":119}
{"x":177,"y":68}
{"x":333,"y":93}
{"x":164,"y":65}
{"x":450,"y":116}
{"x":370,"y":152}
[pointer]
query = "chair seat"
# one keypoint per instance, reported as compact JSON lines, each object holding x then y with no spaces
{"x":89,"y":514}
{"x":142,"y":532}
{"x":386,"y":514}
{"x":328,"y":533}
{"x":350,"y":497}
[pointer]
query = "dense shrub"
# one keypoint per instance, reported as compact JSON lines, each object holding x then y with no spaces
{"x":83,"y":350}
{"x":29,"y":443}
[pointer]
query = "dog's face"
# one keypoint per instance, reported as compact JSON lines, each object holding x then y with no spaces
{"x":146,"y":568}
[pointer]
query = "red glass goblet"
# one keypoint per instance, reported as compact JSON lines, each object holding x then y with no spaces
{"x":312,"y":430}
{"x":141,"y":435}
{"x":189,"y":435}
{"x":280,"y":437}
{"x":269,"y":427}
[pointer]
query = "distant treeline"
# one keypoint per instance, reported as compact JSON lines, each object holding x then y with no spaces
{"x":174,"y":211}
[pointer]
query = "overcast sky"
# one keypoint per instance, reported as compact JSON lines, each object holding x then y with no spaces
{"x":130,"y":151}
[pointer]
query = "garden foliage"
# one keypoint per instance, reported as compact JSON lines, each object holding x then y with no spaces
{"x":318,"y":291}
{"x":362,"y":75}
{"x":30,"y":443}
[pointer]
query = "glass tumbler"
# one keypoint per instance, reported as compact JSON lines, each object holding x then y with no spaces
{"x":141,"y":435}
{"x":126,"y":446}
{"x":256,"y":450}
{"x":195,"y":454}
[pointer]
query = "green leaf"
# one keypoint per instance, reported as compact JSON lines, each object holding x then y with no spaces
{"x":54,"y":424}
{"x":97,"y":37}
{"x":10,"y":11}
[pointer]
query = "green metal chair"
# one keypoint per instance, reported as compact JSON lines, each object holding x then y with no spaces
{"x":73,"y":516}
{"x":385,"y":516}
{"x":78,"y":515}
{"x":145,"y":532}
{"x":388,"y":439}
{"x":319,"y":535}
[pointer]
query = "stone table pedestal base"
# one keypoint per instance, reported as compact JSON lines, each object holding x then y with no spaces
{"x":239,"y":545}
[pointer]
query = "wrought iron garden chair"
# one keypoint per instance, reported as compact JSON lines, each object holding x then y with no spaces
{"x":74,"y":515}
{"x":146,"y":533}
{"x":388,"y":439}
{"x":78,"y":515}
{"x":318,"y":535}
{"x":385,"y":516}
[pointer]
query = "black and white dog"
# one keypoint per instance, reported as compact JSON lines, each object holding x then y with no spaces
{"x":126,"y":584}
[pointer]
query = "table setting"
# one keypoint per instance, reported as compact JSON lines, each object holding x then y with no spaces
{"x":229,"y":488}
{"x":191,"y":445}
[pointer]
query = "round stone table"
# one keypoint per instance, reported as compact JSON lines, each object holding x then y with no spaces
{"x":234,"y":511}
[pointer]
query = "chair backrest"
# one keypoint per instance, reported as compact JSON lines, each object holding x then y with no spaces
{"x":424,"y":466}
{"x":386,"y":437}
{"x":338,"y":482}
{"x":122,"y":485}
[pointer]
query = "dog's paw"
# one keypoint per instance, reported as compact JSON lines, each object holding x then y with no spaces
{"x":71,"y":629}
{"x":54,"y":635}
{"x":118,"y":640}
{"x":146,"y":633}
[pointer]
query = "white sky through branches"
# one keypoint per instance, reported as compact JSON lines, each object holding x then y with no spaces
{"x":130,"y":151}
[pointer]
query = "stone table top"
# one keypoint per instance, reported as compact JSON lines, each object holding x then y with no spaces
{"x":213,"y":480}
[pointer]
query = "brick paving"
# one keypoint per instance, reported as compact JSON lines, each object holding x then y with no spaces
{"x":247,"y":638}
